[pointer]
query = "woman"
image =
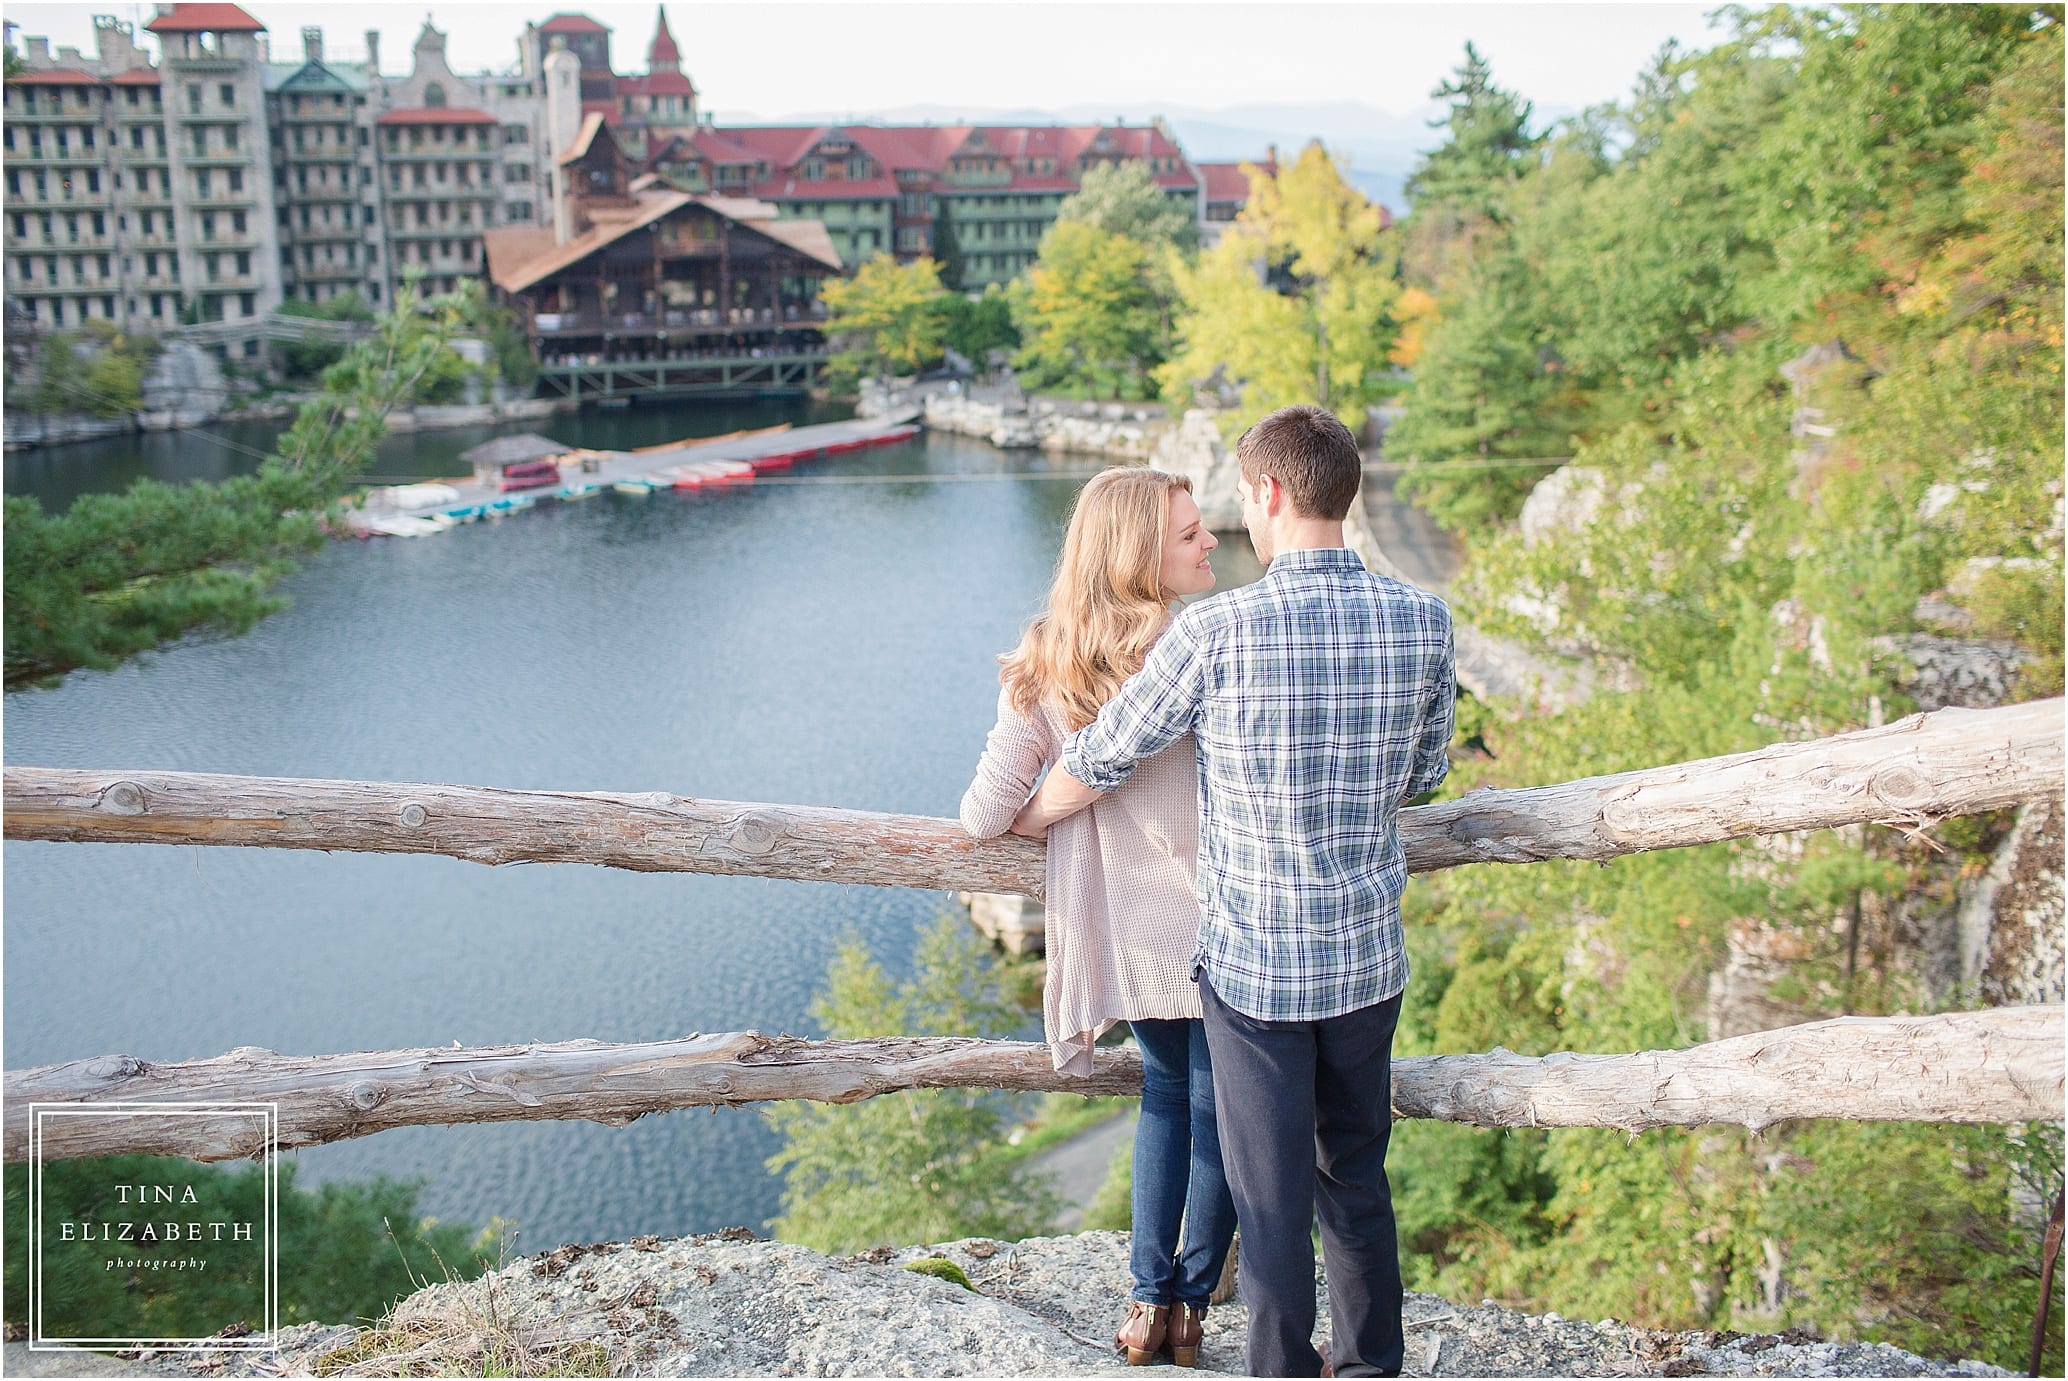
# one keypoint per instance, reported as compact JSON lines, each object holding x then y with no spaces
{"x":1123,"y":918}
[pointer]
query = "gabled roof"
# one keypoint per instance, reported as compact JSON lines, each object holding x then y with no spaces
{"x":663,"y":83}
{"x":55,"y":76}
{"x":583,"y":138}
{"x":315,"y":76}
{"x":435,"y":115}
{"x":214,"y":19}
{"x":520,"y":256}
{"x":573,"y":24}
{"x":1227,"y":181}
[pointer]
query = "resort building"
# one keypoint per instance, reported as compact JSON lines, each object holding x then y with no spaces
{"x":629,"y":278}
{"x":206,"y":188}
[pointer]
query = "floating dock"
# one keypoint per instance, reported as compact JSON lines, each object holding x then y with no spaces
{"x":713,"y":463}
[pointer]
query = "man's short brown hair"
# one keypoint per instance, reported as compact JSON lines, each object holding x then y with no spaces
{"x":1311,"y":455}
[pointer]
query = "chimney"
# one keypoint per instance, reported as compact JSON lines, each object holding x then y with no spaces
{"x":373,"y":52}
{"x":312,"y":44}
{"x":39,"y":51}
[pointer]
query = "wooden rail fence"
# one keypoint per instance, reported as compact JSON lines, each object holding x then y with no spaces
{"x":2001,"y":1065}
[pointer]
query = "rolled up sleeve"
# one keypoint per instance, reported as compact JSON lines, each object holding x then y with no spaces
{"x":1155,"y":708}
{"x":1439,"y":713}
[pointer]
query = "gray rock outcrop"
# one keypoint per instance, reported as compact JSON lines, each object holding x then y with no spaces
{"x":183,"y":388}
{"x":724,"y":1305}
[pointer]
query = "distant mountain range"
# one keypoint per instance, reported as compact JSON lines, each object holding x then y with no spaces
{"x":1381,"y":145}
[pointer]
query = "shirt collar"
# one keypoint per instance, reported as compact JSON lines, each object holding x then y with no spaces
{"x":1313,"y":558}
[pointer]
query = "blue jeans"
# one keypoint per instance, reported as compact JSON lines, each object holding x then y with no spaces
{"x":1178,"y":1169}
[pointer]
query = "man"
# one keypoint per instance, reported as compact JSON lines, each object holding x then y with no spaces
{"x":1321,"y":699}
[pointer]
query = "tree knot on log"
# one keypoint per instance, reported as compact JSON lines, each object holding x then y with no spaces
{"x":366,"y":1095}
{"x":1903,"y":787}
{"x":112,"y":1069}
{"x":413,"y":815}
{"x":123,"y":798}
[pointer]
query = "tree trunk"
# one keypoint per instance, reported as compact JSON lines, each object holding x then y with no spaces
{"x":1920,"y":769}
{"x":2001,"y":1065}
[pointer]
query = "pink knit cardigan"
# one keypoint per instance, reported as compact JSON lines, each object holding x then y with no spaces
{"x":1123,"y":915}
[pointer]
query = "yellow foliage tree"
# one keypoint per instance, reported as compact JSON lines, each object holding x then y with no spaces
{"x":889,"y":316}
{"x":1297,"y":303}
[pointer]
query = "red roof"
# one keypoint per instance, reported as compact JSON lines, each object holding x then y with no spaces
{"x":436,"y":115}
{"x":663,"y":53}
{"x":607,"y":109}
{"x":214,"y":19}
{"x":1226,"y":181}
{"x":793,"y":189}
{"x":56,"y":76}
{"x":136,"y":76}
{"x":572,"y":24}
{"x":663,"y":83}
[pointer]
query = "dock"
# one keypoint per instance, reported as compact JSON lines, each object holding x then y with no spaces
{"x":715,"y":463}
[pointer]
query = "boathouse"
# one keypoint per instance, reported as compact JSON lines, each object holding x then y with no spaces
{"x":639,"y":288}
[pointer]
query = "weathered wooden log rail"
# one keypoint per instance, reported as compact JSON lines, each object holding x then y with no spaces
{"x":1909,"y":773}
{"x":2001,"y":1065}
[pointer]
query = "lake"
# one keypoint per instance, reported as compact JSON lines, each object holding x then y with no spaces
{"x":819,"y":644}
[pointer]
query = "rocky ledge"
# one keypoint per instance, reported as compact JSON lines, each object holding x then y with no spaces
{"x":730,"y":1305}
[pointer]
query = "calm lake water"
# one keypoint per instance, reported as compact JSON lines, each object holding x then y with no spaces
{"x":826,"y":644}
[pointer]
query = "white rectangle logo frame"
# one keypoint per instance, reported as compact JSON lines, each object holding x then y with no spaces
{"x":267,"y":1340}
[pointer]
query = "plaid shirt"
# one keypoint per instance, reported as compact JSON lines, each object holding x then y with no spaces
{"x":1321,"y":697}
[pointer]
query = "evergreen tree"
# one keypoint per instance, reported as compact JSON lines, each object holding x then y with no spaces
{"x":1487,"y":149}
{"x":116,"y":575}
{"x":908,"y":1167}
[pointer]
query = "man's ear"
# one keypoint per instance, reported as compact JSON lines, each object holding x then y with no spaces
{"x":1268,"y":492}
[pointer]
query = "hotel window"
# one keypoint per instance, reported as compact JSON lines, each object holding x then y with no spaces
{"x":237,"y":222}
{"x":194,"y":98}
{"x":236,"y":179}
{"x":228,"y":93}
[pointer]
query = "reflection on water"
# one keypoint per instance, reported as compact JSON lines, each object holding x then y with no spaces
{"x":827,"y":645}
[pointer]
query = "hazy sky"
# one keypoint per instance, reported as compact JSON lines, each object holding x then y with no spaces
{"x":774,"y":59}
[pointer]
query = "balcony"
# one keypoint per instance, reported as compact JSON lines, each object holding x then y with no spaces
{"x":687,"y":320}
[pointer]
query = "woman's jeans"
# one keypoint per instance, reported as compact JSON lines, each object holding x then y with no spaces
{"x":1178,"y":1169}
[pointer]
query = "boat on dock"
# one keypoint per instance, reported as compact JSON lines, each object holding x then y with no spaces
{"x":513,"y":473}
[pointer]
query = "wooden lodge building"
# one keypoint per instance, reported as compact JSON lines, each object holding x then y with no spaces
{"x":639,"y":287}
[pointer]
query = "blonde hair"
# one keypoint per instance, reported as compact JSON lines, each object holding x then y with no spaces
{"x":1107,"y":606}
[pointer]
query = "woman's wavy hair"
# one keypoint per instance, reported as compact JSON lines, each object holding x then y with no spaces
{"x":1107,"y":606}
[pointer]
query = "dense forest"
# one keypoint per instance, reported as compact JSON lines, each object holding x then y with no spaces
{"x":1794,"y":311}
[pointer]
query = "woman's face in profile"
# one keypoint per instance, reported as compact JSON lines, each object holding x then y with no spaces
{"x":1185,"y":570}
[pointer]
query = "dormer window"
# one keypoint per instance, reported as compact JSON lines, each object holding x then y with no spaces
{"x":434,"y":96}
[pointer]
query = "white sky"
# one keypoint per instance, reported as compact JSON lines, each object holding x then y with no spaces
{"x":772,"y":59}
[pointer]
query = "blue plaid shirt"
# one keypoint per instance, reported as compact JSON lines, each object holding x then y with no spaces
{"x":1321,"y":697}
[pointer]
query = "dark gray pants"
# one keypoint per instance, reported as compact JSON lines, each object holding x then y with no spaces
{"x":1306,"y":1109}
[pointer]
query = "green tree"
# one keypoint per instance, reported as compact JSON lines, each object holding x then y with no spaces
{"x":889,"y":317}
{"x":1460,"y":190}
{"x":979,"y":323}
{"x":1123,"y":199}
{"x":1296,"y":303}
{"x":116,"y":575}
{"x":1086,"y":313}
{"x":908,"y":1167}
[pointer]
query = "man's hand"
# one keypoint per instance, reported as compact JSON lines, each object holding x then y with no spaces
{"x":1061,"y":796}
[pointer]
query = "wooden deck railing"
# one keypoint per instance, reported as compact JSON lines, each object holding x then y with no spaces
{"x":2002,"y":1065}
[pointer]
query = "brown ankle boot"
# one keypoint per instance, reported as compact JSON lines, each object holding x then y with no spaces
{"x":1187,"y":1326}
{"x":1142,"y":1335}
